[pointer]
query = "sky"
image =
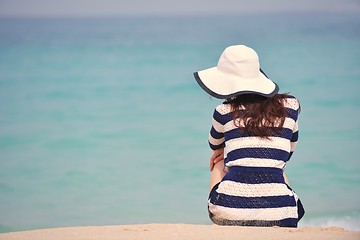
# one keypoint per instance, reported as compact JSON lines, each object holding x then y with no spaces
{"x":101,"y":8}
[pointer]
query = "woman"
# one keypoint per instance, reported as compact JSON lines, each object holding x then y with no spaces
{"x":253,"y":135}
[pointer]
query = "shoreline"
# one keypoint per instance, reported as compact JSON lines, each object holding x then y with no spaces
{"x":182,"y":231}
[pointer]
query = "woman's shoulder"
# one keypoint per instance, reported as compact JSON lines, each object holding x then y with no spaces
{"x":291,"y":102}
{"x":223,"y":108}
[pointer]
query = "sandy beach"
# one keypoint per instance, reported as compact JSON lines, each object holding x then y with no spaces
{"x":181,"y":231}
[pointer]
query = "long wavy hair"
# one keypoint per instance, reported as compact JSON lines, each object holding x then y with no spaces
{"x":258,"y":115}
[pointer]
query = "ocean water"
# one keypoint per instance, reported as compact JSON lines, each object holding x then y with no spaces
{"x":102,"y":123}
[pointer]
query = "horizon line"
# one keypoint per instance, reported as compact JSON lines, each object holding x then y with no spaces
{"x":192,"y":14}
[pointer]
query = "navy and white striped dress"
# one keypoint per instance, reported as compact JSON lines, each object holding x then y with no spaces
{"x":253,"y":191}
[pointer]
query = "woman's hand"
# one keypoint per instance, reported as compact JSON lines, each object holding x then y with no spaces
{"x":217,"y":156}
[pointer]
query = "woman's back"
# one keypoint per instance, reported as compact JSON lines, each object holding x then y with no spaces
{"x":254,"y":192}
{"x":244,"y":149}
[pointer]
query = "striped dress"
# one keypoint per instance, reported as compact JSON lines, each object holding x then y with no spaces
{"x":253,"y":191}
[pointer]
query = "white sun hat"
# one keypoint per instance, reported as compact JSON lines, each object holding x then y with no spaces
{"x":237,"y":72}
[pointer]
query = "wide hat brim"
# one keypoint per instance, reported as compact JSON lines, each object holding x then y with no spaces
{"x":223,"y":85}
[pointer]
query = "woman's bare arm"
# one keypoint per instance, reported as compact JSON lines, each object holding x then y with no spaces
{"x":217,"y":156}
{"x":286,"y":179}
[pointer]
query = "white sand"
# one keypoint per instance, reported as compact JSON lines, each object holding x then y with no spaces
{"x":182,"y":231}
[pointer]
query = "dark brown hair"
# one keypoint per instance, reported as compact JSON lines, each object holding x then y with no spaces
{"x":259,"y":116}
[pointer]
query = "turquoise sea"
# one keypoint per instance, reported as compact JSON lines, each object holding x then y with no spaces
{"x":102,"y":123}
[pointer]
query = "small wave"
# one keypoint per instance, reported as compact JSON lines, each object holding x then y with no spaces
{"x":347,"y":222}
